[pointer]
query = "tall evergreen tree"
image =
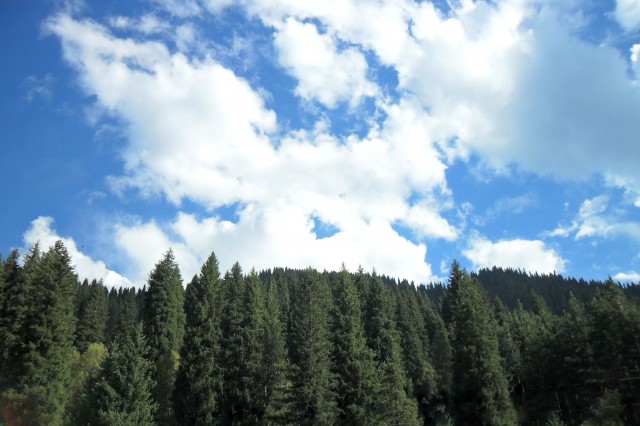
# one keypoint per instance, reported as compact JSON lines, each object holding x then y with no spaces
{"x":45,"y":339}
{"x":310,"y":351}
{"x":480,"y":388}
{"x":164,"y":329}
{"x":198,"y":384}
{"x":393,"y":404}
{"x":233,"y":347}
{"x":13,"y":309}
{"x":123,"y":395}
{"x":92,"y":317}
{"x":414,"y":341}
{"x":274,"y":360}
{"x":353,"y":366}
{"x":615,"y":335}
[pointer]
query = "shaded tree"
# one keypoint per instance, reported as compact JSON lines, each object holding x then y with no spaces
{"x":164,"y":329}
{"x":313,"y":399}
{"x":480,"y":387}
{"x":198,"y":384}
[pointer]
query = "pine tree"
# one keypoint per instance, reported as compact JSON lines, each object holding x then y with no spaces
{"x":198,"y":384}
{"x":92,"y":317}
{"x":13,"y":309}
{"x":440,"y":346}
{"x":232,"y":347}
{"x":310,"y":351}
{"x":393,"y":405}
{"x":123,"y":395}
{"x":274,"y":359}
{"x":615,"y":336}
{"x":414,"y":341}
{"x":480,"y":388}
{"x":164,"y":329}
{"x":113,"y":311}
{"x":352,"y":364}
{"x":44,"y":339}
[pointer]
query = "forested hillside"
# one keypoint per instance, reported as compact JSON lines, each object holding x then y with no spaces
{"x":284,"y":346}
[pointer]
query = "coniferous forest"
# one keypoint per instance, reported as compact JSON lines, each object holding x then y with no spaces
{"x":284,"y":346}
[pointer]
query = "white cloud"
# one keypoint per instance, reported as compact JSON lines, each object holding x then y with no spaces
{"x":511,"y":81}
{"x":198,"y":131}
{"x":41,"y":230}
{"x":594,"y":219}
{"x":180,"y":8}
{"x":627,"y":13}
{"x":147,"y":24}
{"x":323,"y":73}
{"x":38,"y":88}
{"x":274,"y":235}
{"x":627,"y":277}
{"x":530,"y":255}
{"x":635,"y":53}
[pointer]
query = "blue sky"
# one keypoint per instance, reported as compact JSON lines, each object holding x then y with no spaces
{"x":391,"y":134}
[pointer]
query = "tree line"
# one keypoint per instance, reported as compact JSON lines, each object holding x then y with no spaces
{"x":286,"y":346}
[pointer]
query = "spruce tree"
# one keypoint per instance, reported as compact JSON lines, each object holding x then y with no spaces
{"x":274,"y":360}
{"x":44,"y":341}
{"x":481,"y":394}
{"x":198,"y":384}
{"x":414,"y":341}
{"x":13,"y":309}
{"x":164,"y":329}
{"x":123,"y":395}
{"x":393,"y":405}
{"x":352,"y":360}
{"x":92,"y":317}
{"x":233,"y":347}
{"x":313,"y":399}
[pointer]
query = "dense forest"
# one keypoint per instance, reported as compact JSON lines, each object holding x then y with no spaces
{"x":284,"y":346}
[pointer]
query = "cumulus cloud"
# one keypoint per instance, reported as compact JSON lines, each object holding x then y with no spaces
{"x":42,"y":231}
{"x":196,"y":130}
{"x":323,"y":73}
{"x":627,"y":13}
{"x":268,"y":236}
{"x":627,"y":277}
{"x":511,"y":81}
{"x":530,"y":255}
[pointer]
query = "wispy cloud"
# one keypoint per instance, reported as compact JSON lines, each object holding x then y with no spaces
{"x":38,"y":88}
{"x":596,"y":219}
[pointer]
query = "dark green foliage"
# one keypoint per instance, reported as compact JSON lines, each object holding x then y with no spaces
{"x":123,"y":395}
{"x":198,"y":384}
{"x":13,"y":309}
{"x":42,"y":348}
{"x":274,"y":360}
{"x":480,"y":387}
{"x":393,"y":404}
{"x":92,"y":316}
{"x":234,"y":349}
{"x":310,"y":351}
{"x":352,"y":360}
{"x":164,"y":321}
{"x":299,"y":347}
{"x":414,"y":341}
{"x":615,"y":338}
